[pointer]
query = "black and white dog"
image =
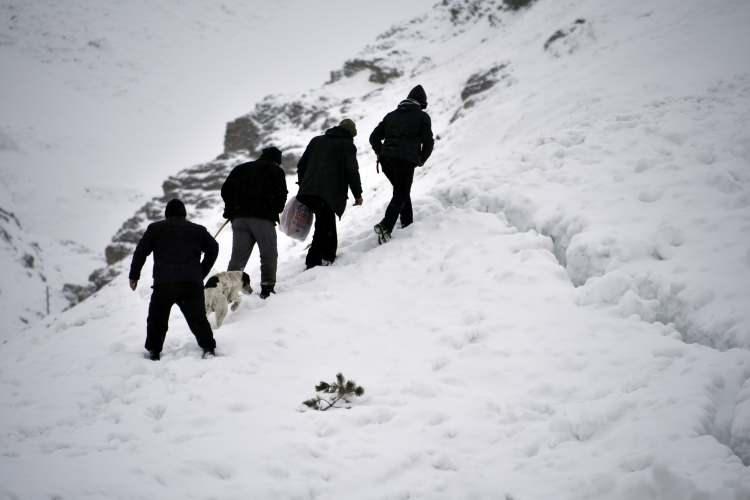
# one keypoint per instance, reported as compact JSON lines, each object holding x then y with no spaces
{"x":223,"y":289}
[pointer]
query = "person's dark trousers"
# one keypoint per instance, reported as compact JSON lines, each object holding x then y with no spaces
{"x":189,"y":297}
{"x":325,"y":240}
{"x":401,"y":175}
{"x":246,"y":231}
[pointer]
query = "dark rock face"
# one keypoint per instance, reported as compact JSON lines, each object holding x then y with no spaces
{"x":481,"y":82}
{"x":117,"y":251}
{"x":289,"y":123}
{"x":242,"y":136}
{"x":470,"y":11}
{"x":464,"y":12}
{"x":6,"y":218}
{"x":566,"y":40}
{"x":28,"y":261}
{"x":77,"y":293}
{"x":199,"y":186}
{"x":517,"y":4}
{"x":24,"y":285}
{"x":380,"y":72}
{"x":274,"y":115}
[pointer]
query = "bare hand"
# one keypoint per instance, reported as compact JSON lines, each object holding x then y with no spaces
{"x":357,"y":201}
{"x":133,"y":284}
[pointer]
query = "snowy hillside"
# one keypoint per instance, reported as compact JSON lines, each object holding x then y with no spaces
{"x":19,"y":258}
{"x":567,"y":318}
{"x":101,"y":101}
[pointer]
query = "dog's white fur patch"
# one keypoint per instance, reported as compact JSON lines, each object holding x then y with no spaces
{"x":228,"y":291}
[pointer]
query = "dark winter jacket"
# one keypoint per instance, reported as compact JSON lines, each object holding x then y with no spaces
{"x":255,"y":189}
{"x":328,"y":168}
{"x":404,"y":134}
{"x":177,"y":245}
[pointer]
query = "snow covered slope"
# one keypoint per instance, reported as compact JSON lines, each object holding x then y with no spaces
{"x":566,"y":319}
{"x":101,"y":101}
{"x":635,"y":168}
{"x":19,"y":259}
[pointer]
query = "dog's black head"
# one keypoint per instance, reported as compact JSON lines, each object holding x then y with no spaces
{"x":246,"y":283}
{"x":212,"y":282}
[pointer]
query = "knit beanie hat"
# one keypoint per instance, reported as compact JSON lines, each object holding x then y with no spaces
{"x":271,"y":154}
{"x":419,"y":95}
{"x":175,"y":208}
{"x":349,"y":126}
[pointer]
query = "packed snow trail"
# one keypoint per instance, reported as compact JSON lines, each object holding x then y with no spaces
{"x":483,"y":379}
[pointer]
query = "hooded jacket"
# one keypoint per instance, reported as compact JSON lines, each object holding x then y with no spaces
{"x":177,"y":245}
{"x":328,"y":168}
{"x":405,"y":133}
{"x":256,"y":188}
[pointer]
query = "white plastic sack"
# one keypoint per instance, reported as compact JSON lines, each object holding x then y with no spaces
{"x":296,"y":219}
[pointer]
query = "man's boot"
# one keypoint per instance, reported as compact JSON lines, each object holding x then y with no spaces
{"x":266,"y":291}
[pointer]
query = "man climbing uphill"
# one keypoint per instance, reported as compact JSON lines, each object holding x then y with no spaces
{"x":327,"y":169}
{"x":178,"y":274}
{"x":254,"y":195}
{"x":402,"y":141}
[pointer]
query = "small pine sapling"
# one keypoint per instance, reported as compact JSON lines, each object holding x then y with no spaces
{"x":334,"y":392}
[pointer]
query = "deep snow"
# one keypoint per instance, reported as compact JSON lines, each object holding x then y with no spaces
{"x":101,"y":101}
{"x":566,"y":319}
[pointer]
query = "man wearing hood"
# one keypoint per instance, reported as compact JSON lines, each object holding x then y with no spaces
{"x":402,"y":141}
{"x":254,"y":195}
{"x":178,"y":274}
{"x":327,"y":170}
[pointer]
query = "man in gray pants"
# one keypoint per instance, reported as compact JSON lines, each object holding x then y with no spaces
{"x":254,"y":195}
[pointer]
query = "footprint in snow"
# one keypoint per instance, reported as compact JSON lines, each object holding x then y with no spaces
{"x":278,"y":471}
{"x":156,"y":412}
{"x":706,"y":157}
{"x":444,"y":463}
{"x":120,"y":437}
{"x":643,"y":164}
{"x":471,"y":336}
{"x":237,"y":408}
{"x":650,"y":194}
{"x":441,"y":363}
{"x":450,"y":433}
{"x":376,"y":417}
{"x":117,"y":347}
{"x":326,"y":430}
{"x":420,"y":390}
{"x":217,"y":470}
{"x":437,"y":419}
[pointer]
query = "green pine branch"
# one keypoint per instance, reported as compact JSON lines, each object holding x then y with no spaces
{"x":340,"y":390}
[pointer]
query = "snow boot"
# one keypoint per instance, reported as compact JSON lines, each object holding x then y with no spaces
{"x":383,"y":234}
{"x":266,"y":291}
{"x":154,"y":356}
{"x":208,"y":352}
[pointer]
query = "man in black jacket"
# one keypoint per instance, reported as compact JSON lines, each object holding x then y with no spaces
{"x":254,"y":195}
{"x":327,"y":170}
{"x":178,"y":276}
{"x":402,"y":141}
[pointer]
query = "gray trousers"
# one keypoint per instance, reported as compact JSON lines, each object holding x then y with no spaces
{"x":246,"y":232}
